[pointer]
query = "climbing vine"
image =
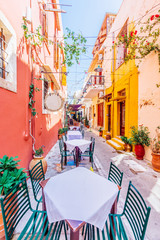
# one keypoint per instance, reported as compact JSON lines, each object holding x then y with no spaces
{"x":31,"y":97}
{"x":73,"y":45}
{"x":31,"y":102}
{"x":140,"y":45}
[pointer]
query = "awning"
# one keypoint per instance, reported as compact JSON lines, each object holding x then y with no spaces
{"x":118,"y":98}
{"x":50,"y":76}
{"x":74,"y":107}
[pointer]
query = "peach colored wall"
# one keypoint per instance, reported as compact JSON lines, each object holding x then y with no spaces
{"x":14,"y":112}
{"x":149,"y":76}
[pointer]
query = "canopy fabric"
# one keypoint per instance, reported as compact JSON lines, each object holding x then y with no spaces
{"x":74,"y":107}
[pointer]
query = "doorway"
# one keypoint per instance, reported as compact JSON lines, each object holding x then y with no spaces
{"x":122,"y":118}
{"x":109,"y":118}
{"x":100,"y":114}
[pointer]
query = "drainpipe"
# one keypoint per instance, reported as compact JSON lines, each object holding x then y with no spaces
{"x":113,"y":81}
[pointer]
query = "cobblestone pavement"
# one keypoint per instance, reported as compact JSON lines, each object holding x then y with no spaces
{"x":139,"y":172}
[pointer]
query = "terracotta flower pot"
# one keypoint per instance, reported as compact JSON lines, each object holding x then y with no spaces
{"x":35,"y":160}
{"x":139,"y":151}
{"x":127,"y":147}
{"x":100,"y":134}
{"x":156,"y":161}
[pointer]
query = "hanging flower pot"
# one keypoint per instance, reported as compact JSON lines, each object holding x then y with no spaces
{"x":139,"y":151}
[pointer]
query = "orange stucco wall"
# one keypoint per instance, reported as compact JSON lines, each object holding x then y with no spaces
{"x":15,"y":139}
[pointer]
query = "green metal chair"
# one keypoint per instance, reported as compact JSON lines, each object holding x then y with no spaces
{"x":135,"y":212}
{"x":116,"y":176}
{"x":83,"y":133}
{"x":64,"y":153}
{"x":89,"y":153}
{"x":36,"y":176}
{"x":15,"y":205}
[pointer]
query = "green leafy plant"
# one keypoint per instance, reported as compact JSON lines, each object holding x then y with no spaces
{"x":100,"y":129}
{"x":140,"y":135}
{"x":39,"y":151}
{"x":10,"y":175}
{"x":7,"y":163}
{"x":126,"y":140}
{"x":65,"y":129}
{"x":86,"y":121}
{"x":60,"y":131}
{"x":156,"y":142}
{"x":31,"y":102}
{"x":73,"y":47}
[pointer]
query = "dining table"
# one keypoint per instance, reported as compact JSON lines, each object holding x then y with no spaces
{"x":74,"y":127}
{"x":74,"y":135}
{"x":80,"y":145}
{"x":79,"y":196}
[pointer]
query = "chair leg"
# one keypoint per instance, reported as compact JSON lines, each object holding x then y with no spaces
{"x":61,"y":162}
{"x":83,"y":229}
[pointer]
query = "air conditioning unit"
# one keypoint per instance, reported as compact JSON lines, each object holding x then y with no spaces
{"x":100,"y":57}
{"x":101,"y":94}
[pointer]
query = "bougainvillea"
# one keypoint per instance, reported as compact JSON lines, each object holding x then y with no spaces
{"x":140,"y":44}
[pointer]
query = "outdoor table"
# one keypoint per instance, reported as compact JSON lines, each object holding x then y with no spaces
{"x":78,"y":145}
{"x":79,"y":196}
{"x":74,"y":135}
{"x":74,"y":127}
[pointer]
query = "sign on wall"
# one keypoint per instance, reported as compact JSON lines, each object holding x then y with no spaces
{"x":53,"y":102}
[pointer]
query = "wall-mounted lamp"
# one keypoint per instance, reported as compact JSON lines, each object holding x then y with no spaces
{"x":98,"y":69}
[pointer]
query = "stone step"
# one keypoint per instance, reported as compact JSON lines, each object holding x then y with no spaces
{"x":114,"y":144}
{"x":119,"y":141}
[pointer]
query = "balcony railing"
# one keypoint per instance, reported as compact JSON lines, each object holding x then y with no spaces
{"x":96,"y":80}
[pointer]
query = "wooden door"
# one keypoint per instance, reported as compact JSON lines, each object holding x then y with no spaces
{"x":122,"y":118}
{"x":100,"y":114}
{"x":109,"y":118}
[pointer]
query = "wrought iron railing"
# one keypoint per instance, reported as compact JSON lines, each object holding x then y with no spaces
{"x":3,"y":54}
{"x":96,"y":80}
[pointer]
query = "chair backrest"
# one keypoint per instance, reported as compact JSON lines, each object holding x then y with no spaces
{"x":115,"y":175}
{"x":36,"y":175}
{"x":136,"y":212}
{"x":60,"y":145}
{"x":83,"y":133}
{"x":14,"y":205}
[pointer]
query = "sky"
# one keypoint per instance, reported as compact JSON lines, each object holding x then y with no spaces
{"x":85,"y":17}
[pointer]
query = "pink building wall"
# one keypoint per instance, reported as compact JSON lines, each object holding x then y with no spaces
{"x":15,"y":139}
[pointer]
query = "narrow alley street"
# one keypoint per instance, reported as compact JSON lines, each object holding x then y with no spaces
{"x":139,"y":172}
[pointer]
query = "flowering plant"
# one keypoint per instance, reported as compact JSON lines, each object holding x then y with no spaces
{"x":156,"y":141}
{"x":140,"y":135}
{"x":140,"y":45}
{"x":39,"y":151}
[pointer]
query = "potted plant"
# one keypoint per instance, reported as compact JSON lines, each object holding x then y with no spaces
{"x":127,"y":143}
{"x":140,"y":138}
{"x":86,"y":122}
{"x":100,"y":130}
{"x":60,"y":132}
{"x":156,"y":151}
{"x":38,"y":155}
{"x":10,"y":175}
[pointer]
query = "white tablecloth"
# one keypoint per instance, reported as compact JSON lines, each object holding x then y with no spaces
{"x":72,"y":127}
{"x":81,"y":143}
{"x":74,"y":135}
{"x":81,"y":195}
